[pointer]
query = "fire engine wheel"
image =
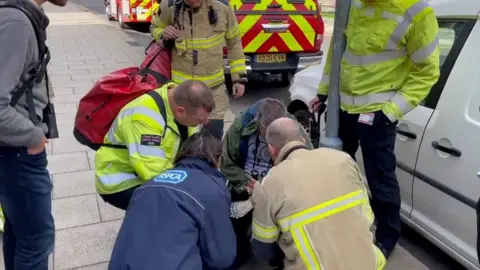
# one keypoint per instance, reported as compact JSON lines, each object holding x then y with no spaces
{"x":120,"y":18}
{"x":303,"y":117}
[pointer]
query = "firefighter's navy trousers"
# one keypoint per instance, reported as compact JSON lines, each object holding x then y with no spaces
{"x":377,"y":141}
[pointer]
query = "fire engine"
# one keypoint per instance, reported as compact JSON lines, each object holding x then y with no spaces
{"x":279,"y":37}
{"x":131,"y":11}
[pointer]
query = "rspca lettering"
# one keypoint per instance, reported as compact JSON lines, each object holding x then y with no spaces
{"x":171,"y":177}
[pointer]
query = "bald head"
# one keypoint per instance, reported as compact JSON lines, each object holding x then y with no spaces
{"x":193,"y":95}
{"x":282,"y":131}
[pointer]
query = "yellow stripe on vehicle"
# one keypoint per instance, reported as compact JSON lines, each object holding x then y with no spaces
{"x":255,"y":44}
{"x":291,"y":41}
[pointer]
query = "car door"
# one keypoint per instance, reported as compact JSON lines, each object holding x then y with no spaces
{"x":446,"y":185}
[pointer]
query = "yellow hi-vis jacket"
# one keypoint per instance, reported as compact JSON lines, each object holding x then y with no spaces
{"x":198,"y":52}
{"x":314,"y":204}
{"x":140,"y":126}
{"x":391,"y":59}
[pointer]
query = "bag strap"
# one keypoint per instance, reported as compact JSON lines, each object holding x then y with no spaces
{"x":38,"y":72}
{"x":161,"y":106}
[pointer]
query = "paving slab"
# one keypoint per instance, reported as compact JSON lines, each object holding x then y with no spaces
{"x":85,"y":46}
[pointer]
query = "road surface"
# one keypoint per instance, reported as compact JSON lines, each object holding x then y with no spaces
{"x":417,"y":248}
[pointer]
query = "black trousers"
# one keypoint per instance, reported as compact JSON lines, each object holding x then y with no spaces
{"x":120,"y":199}
{"x":377,"y":142}
{"x":241,"y":226}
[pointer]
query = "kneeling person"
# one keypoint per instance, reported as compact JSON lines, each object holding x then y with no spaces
{"x":246,"y":159}
{"x":180,"y":218}
{"x":322,"y":216}
{"x":151,"y":140}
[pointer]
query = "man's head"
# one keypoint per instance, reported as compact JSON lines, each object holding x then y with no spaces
{"x":270,"y":110}
{"x":193,"y":3}
{"x":280,"y":132}
{"x":191,"y":102}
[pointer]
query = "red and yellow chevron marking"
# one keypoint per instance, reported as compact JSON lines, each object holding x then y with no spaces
{"x":299,"y":37}
{"x":148,"y":9}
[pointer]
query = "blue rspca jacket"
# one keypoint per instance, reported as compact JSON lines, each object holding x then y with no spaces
{"x":178,"y":221}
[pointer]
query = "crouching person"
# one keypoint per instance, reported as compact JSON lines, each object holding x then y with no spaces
{"x":150,"y":129}
{"x":312,"y":207}
{"x":245,"y":160}
{"x":180,"y":218}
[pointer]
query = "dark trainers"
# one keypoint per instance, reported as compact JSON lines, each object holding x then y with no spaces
{"x":385,"y":251}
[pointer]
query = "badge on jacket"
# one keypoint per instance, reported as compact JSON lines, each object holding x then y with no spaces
{"x":171,"y":177}
{"x":150,"y":140}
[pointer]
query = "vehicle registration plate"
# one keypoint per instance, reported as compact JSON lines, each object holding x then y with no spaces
{"x":271,"y":58}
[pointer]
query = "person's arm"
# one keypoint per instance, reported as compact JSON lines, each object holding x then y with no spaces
{"x":218,"y":244}
{"x":424,"y":53}
{"x":145,"y":148}
{"x":160,"y":21}
{"x":236,"y":58}
{"x":15,"y":129}
{"x":229,"y":160}
{"x":325,"y":81}
{"x":265,"y":232}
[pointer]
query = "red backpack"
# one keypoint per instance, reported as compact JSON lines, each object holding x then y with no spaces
{"x":100,"y":106}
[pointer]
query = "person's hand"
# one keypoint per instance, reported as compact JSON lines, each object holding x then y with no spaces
{"x":251,"y":185}
{"x":315,"y":103}
{"x":39,"y":148}
{"x":169,"y":33}
{"x":238,"y":90}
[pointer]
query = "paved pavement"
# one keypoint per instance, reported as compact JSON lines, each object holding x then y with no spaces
{"x":84,"y":47}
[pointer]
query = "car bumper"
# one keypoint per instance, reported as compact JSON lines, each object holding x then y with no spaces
{"x":295,"y":63}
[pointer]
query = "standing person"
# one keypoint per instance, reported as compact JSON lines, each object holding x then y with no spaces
{"x":390,"y":63}
{"x":180,"y":218}
{"x":151,"y":140}
{"x":312,"y":207}
{"x":197,"y":31}
{"x":25,"y":185}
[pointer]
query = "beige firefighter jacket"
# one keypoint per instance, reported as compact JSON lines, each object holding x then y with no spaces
{"x":315,"y":205}
{"x":198,"y":51}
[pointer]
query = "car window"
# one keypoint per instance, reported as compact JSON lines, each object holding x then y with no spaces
{"x":452,"y":35}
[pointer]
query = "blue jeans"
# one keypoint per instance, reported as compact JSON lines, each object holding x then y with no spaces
{"x":26,"y":199}
{"x":378,"y":143}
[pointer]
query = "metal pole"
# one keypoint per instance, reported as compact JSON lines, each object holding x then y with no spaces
{"x":331,"y":139}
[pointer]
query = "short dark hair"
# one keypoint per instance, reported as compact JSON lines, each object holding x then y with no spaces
{"x":201,"y":145}
{"x":270,"y":110}
{"x":193,"y":95}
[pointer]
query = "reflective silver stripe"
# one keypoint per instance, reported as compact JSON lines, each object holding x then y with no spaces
{"x":402,"y":27}
{"x":361,"y":60}
{"x":288,"y":223}
{"x":157,"y":117}
{"x":401,"y":102}
{"x":310,"y":259}
{"x":369,"y":11}
{"x":357,"y":4}
{"x":390,"y":16}
{"x":367,"y":99}
{"x":145,"y":150}
{"x":421,"y":54}
{"x":116,"y":178}
{"x":325,"y":79}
